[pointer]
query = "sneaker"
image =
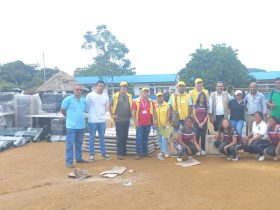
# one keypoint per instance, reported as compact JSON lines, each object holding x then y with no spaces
{"x":81,"y":161}
{"x":91,"y":158}
{"x":198,"y":153}
{"x":166,"y":155}
{"x":229,"y":158}
{"x":235,"y":158}
{"x":179,"y":159}
{"x":257,"y":156}
{"x":137,"y":157}
{"x":202,"y":152}
{"x":190,"y":158}
{"x":261,"y":158}
{"x":120,"y":157}
{"x":106,"y":157}
{"x":69,"y":165}
{"x":160,"y":157}
{"x":275,"y":158}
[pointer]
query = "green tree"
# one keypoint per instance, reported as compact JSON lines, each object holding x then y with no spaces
{"x":109,"y":55}
{"x":39,"y":76}
{"x":220,"y":63}
{"x":17,"y":73}
{"x":20,"y":75}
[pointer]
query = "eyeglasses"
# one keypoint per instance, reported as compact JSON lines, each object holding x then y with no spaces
{"x":78,"y":89}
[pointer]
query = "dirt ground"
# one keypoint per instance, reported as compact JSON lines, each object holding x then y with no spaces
{"x":35,"y":177}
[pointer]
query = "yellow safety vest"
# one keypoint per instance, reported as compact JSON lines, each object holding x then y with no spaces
{"x":162,"y":113}
{"x":182,"y":104}
{"x":194,"y":94}
{"x":137,"y":101}
{"x":115,"y":99}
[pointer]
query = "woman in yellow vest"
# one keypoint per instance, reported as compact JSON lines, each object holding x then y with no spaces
{"x":163,"y":114}
{"x":120,"y":110}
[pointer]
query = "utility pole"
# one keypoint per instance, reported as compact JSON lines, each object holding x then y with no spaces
{"x":44,"y":67}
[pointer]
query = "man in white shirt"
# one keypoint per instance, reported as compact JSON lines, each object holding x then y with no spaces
{"x":218,"y":105}
{"x":97,"y":106}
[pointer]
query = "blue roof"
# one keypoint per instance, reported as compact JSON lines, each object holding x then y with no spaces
{"x":266,"y":75}
{"x":151,"y":78}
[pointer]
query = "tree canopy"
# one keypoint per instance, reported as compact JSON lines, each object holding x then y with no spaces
{"x":24,"y":76}
{"x":220,"y":63}
{"x":109,"y":55}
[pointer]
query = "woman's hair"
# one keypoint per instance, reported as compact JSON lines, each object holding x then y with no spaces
{"x":199,"y":98}
{"x":274,"y":118}
{"x":189,"y":118}
{"x":260,"y":114}
{"x":221,"y":128}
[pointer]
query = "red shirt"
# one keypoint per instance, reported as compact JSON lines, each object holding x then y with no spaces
{"x":274,"y":135}
{"x":200,"y":113}
{"x":144,"y":117}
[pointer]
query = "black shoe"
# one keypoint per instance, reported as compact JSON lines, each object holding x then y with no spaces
{"x":148,"y":155}
{"x":82,"y":161}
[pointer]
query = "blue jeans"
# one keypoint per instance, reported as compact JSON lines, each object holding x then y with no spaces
{"x":238,"y":125}
{"x":142,"y":135}
{"x":100,"y":127}
{"x":163,"y":143}
{"x":74,"y":136}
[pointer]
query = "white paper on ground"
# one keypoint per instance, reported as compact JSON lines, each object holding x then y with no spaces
{"x":115,"y":171}
{"x":188,"y":163}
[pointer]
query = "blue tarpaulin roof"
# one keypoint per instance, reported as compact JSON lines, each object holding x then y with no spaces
{"x":152,"y":78}
{"x":163,"y":78}
{"x":266,"y":75}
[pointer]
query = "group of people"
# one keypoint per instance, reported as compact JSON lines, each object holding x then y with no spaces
{"x":186,"y":114}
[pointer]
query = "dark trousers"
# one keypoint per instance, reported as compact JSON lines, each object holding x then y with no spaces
{"x":122,"y":135}
{"x":270,"y":150}
{"x":182,"y":151}
{"x":201,"y":135}
{"x":142,"y":135}
{"x":257,"y":147}
{"x":231,"y":151}
{"x":217,"y":121}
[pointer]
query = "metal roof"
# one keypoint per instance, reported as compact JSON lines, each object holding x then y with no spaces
{"x":266,"y":75}
{"x":151,"y":78}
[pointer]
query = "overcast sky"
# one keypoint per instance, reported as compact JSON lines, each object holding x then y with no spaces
{"x":159,"y":34}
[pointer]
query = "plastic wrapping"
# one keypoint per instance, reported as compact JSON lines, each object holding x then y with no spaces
{"x":51,"y":102}
{"x":58,"y":127}
{"x":6,"y":109}
{"x":26,"y":105}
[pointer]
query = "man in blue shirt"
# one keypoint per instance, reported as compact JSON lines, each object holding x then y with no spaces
{"x":73,"y":108}
{"x":255,"y":102}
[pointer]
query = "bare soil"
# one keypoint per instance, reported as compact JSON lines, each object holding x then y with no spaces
{"x":35,"y":177}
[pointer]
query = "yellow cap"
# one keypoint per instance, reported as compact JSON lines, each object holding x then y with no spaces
{"x":145,"y":89}
{"x":181,"y":83}
{"x":197,"y":80}
{"x":123,"y":83}
{"x":159,"y":94}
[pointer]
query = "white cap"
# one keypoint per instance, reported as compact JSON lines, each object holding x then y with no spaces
{"x":237,"y":92}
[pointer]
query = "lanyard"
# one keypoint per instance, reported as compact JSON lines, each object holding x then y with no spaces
{"x":144,"y":105}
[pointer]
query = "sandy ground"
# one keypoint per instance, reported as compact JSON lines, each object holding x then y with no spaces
{"x":35,"y":177}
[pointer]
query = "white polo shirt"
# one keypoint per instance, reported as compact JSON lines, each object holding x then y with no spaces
{"x":97,"y":105}
{"x":260,"y":129}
